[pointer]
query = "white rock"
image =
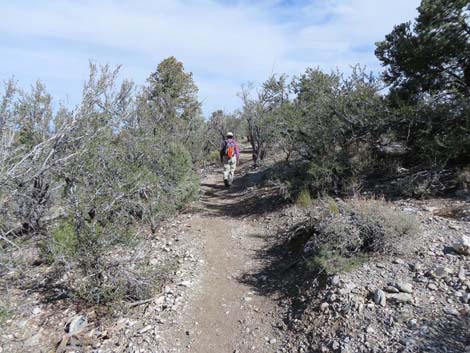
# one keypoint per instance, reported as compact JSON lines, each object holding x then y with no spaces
{"x":404,"y":287}
{"x":77,"y":324}
{"x":185,"y":284}
{"x":335,"y":281}
{"x":462,"y":246}
{"x":145,"y":329}
{"x":462,"y":275}
{"x":324,"y":306}
{"x":391,"y":289}
{"x":400,"y":297}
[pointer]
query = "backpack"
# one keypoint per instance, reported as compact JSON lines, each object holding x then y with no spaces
{"x":229,"y":149}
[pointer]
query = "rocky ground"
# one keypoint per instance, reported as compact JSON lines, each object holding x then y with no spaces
{"x":417,"y":303}
{"x":232,"y":287}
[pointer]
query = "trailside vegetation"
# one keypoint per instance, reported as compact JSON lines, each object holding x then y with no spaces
{"x":80,"y":183}
{"x":344,"y":133}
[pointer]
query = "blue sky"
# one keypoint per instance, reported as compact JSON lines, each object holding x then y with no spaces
{"x":224,"y":43}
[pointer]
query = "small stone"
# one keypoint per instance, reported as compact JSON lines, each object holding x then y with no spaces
{"x":441,"y":272}
{"x":418,"y":267}
{"x":400,"y":297}
{"x":462,"y":275}
{"x":370,"y":329}
{"x":399,"y":262}
{"x":335,"y":345}
{"x":451,"y":311}
{"x":404,"y":287}
{"x":272,"y":341}
{"x":324,"y":306}
{"x":186,"y":284}
{"x":37,"y":311}
{"x":413,"y":323}
{"x":462,"y":246}
{"x":145,"y":329}
{"x":380,"y":297}
{"x":466,"y":298}
{"x":432,"y":286}
{"x":335,"y":281}
{"x":408,"y":341}
{"x":77,"y":324}
{"x":391,"y":289}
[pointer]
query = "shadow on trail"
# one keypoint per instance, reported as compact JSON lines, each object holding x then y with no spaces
{"x":248,"y":196}
{"x":286,"y":276}
{"x":282,"y":276}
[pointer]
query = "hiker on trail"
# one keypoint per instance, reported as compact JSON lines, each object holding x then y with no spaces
{"x":230,"y":157}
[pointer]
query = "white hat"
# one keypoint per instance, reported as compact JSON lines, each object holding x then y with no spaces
{"x":229,"y":134}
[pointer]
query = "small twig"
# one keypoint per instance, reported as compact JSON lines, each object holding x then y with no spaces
{"x":9,"y":241}
{"x":141,"y":302}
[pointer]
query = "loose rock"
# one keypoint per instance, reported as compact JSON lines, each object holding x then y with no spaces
{"x":380,"y":297}
{"x":462,"y":246}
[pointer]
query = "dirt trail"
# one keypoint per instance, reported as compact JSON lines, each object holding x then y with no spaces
{"x":223,"y":314}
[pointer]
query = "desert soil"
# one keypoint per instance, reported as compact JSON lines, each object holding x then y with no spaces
{"x":222,"y":313}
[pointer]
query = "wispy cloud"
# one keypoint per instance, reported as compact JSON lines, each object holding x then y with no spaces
{"x":224,"y":43}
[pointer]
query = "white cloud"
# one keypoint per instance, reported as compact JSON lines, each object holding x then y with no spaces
{"x":224,"y":44}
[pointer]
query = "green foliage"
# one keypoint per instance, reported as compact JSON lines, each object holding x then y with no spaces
{"x":428,"y":68}
{"x":62,"y":243}
{"x":169,"y":109}
{"x":5,"y":313}
{"x":329,"y":262}
{"x":216,"y":128}
{"x":90,"y":180}
{"x":431,"y":55}
{"x":262,"y":114}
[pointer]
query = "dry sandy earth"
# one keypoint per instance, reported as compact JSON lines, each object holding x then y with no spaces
{"x":221,"y":313}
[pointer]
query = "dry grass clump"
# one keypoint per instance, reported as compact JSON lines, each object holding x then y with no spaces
{"x":120,"y":283}
{"x":346,"y":233}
